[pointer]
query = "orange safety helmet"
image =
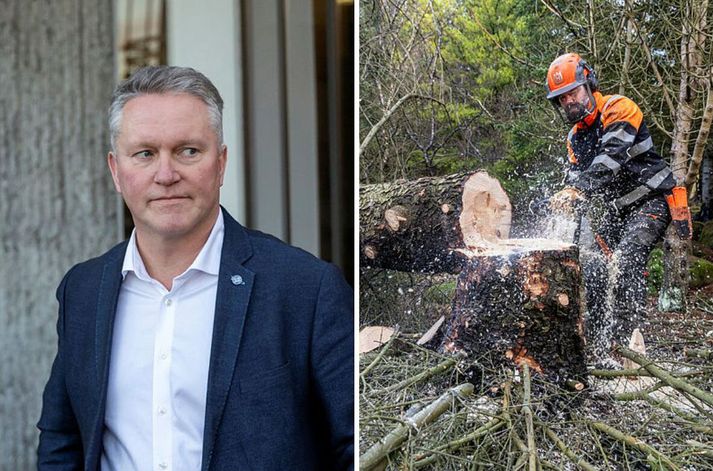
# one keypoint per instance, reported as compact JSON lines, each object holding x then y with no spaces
{"x":566,"y":73}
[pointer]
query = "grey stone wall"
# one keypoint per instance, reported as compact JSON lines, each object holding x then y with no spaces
{"x":57,"y":205}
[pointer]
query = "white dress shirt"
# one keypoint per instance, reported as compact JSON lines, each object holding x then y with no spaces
{"x":160,"y":353}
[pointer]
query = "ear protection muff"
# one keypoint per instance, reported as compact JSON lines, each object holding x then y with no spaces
{"x":591,"y":76}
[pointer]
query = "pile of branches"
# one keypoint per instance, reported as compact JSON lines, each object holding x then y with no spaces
{"x":423,"y":410}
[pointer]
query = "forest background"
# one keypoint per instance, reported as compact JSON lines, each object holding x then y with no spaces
{"x":454,"y":85}
{"x":458,"y":85}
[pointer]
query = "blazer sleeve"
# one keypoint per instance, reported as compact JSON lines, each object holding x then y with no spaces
{"x":60,"y":445}
{"x":332,"y":361}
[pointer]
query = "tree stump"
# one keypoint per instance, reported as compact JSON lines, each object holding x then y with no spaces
{"x":516,"y":300}
{"x":520,"y":301}
{"x":415,"y":226}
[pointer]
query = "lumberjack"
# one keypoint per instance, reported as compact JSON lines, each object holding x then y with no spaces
{"x":614,"y":166}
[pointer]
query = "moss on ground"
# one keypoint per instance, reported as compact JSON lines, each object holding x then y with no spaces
{"x":701,"y":272}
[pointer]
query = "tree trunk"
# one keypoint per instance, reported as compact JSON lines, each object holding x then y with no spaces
{"x":416,"y":225}
{"x":57,"y":205}
{"x":706,"y":193}
{"x":522,"y":303}
{"x":674,"y":286}
{"x":672,"y":296}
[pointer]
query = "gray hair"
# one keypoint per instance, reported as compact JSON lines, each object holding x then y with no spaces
{"x":163,"y":79}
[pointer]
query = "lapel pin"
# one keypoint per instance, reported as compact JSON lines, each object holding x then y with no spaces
{"x":237,"y":280}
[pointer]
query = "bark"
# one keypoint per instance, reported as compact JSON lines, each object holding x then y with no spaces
{"x":706,"y":193}
{"x":635,"y":443}
{"x":701,"y":140}
{"x":521,"y":306}
{"x":668,"y":378}
{"x":592,"y":34}
{"x":416,"y":225}
{"x":400,"y":434}
{"x":699,"y":353}
{"x":686,"y":97}
{"x":529,"y":425}
{"x":430,"y":457}
{"x":57,"y":205}
{"x":674,"y":286}
{"x":440,"y":368}
{"x":672,"y":296}
{"x":573,"y":457}
{"x":628,"y":40}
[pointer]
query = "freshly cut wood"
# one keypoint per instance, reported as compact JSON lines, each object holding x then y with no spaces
{"x":521,"y":303}
{"x":373,"y":337}
{"x":416,"y":225}
{"x":636,"y":344}
{"x":486,"y":214}
{"x":431,"y":332}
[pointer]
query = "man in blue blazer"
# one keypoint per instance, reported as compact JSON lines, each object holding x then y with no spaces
{"x":197,"y":344}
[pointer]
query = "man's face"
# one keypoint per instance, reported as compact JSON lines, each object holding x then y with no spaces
{"x":575,"y":103}
{"x":168,"y":165}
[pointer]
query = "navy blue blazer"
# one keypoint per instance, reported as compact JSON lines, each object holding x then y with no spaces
{"x":281,"y":380}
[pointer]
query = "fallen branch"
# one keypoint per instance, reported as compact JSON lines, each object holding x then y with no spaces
{"x":640,"y":395}
{"x":699,"y":353}
{"x":582,"y":463}
{"x":429,"y":457}
{"x":438,"y":369}
{"x":640,"y":372}
{"x":656,"y":403}
{"x":610,"y":374}
{"x":381,"y":354}
{"x":400,"y":434}
{"x":706,"y":450}
{"x":702,"y":429}
{"x":532,"y":449}
{"x":574,"y":385}
{"x":517,"y":441}
{"x":499,"y":437}
{"x":634,"y":443}
{"x":667,"y":377}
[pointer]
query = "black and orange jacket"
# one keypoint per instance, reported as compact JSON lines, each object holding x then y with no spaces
{"x":611,"y":154}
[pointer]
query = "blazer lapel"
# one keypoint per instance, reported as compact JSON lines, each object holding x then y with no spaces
{"x":235,"y":284}
{"x":106,"y":308}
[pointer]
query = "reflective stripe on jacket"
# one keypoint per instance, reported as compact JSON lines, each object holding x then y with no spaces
{"x":611,"y":154}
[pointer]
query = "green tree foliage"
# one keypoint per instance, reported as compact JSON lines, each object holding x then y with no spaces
{"x":472,"y":72}
{"x":477,"y":86}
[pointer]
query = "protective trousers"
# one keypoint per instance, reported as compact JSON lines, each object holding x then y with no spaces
{"x":614,"y":270}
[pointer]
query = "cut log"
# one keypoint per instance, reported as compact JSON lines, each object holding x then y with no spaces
{"x":521,"y":302}
{"x":416,"y":225}
{"x":636,"y":344}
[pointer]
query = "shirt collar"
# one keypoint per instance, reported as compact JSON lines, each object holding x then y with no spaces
{"x":207,"y":260}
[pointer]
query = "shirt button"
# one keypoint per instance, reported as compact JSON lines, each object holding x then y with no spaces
{"x":169,"y":302}
{"x":162,"y":410}
{"x":163,"y":465}
{"x":164,"y":356}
